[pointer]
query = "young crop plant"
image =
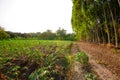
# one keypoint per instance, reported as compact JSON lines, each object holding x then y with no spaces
{"x":90,"y":76}
{"x":82,"y":58}
{"x":35,"y":59}
{"x":55,"y":67}
{"x":41,"y":74}
{"x":13,"y":71}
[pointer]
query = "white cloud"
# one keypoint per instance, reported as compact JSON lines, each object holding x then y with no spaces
{"x":35,"y":15}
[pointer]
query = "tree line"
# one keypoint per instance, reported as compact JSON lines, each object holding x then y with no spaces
{"x":97,"y":21}
{"x":60,"y":34}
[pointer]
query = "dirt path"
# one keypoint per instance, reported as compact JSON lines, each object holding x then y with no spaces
{"x":104,"y":61}
{"x":77,"y":73}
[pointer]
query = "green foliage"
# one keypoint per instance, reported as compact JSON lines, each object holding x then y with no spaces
{"x":46,"y":71}
{"x":47,"y":35}
{"x":14,"y":71}
{"x":90,"y":76}
{"x":79,"y":20}
{"x":60,"y":34}
{"x":38,"y":59}
{"x":3,"y":35}
{"x":54,"y":64}
{"x":95,"y":20}
{"x":42,"y":74}
{"x":82,"y":58}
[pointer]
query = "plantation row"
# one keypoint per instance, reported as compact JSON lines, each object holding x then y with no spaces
{"x":33,"y":59}
{"x":38,"y":60}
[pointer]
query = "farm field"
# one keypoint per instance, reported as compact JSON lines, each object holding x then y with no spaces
{"x":60,"y":40}
{"x":34,"y":59}
{"x":56,"y":60}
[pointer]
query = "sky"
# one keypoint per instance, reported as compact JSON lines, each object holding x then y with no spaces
{"x":35,"y":15}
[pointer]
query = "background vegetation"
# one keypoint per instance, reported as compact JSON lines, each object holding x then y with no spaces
{"x":97,"y":21}
{"x":60,"y":34}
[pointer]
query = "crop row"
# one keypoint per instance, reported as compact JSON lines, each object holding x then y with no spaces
{"x":34,"y":59}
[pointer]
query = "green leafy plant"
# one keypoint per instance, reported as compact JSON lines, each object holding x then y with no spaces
{"x":90,"y":76}
{"x":82,"y":58}
{"x":51,"y":58}
{"x":43,"y":73}
{"x":39,"y":74}
{"x":14,"y":71}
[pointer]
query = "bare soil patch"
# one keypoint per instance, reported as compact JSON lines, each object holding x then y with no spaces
{"x":79,"y":71}
{"x":105,"y":61}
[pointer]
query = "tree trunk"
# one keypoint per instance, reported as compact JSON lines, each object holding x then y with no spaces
{"x":114,"y":26}
{"x":103,"y":36}
{"x":119,"y":2}
{"x":97,"y":35}
{"x":93,"y":38}
{"x":108,"y":32}
{"x":98,"y":38}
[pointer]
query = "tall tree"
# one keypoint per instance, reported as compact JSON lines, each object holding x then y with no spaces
{"x":3,"y":34}
{"x":96,"y":20}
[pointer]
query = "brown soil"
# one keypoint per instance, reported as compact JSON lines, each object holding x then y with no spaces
{"x":105,"y":61}
{"x":77,"y":70}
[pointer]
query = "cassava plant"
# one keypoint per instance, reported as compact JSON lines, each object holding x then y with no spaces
{"x":82,"y":58}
